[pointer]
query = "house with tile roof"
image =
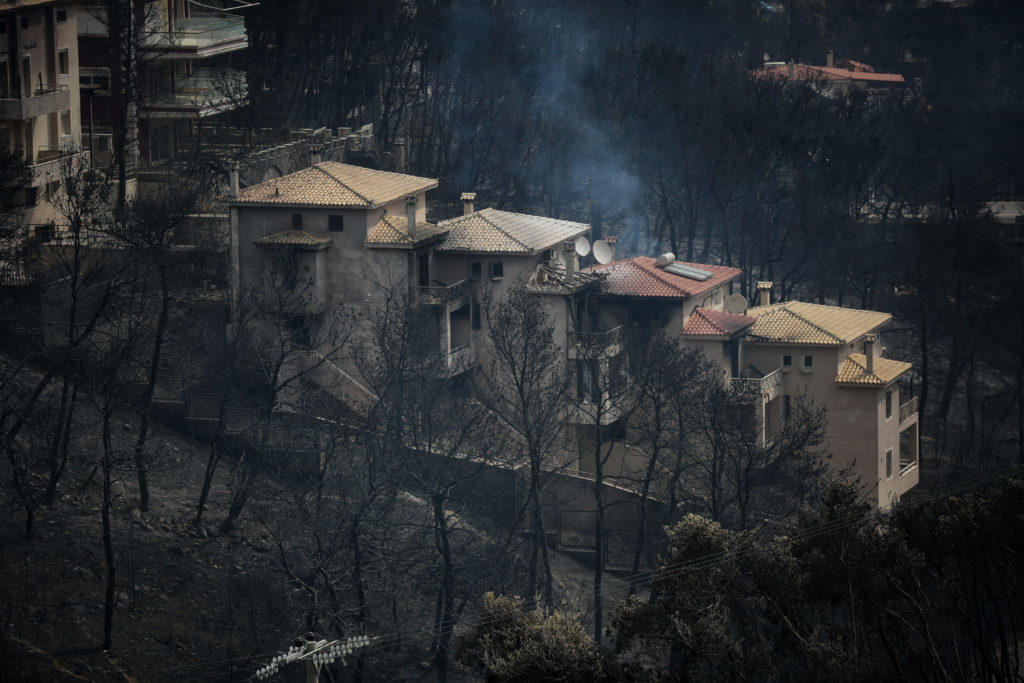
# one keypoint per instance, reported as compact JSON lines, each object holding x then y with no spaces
{"x":831,"y":355}
{"x":355,"y":233}
{"x":833,"y":78}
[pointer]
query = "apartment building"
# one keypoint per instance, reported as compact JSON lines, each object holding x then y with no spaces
{"x":185,"y":73}
{"x":358,"y":233}
{"x":833,"y":356}
{"x":39,"y":112}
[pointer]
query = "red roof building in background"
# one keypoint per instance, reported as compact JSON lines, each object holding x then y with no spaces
{"x":642,"y":277}
{"x":842,"y":73}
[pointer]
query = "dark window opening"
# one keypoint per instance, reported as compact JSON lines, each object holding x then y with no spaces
{"x":296,"y":221}
{"x":336,"y":223}
{"x":62,"y":16}
{"x":786,"y":407}
{"x":476,"y":270}
{"x":787,"y":360}
{"x":475,"y":316}
{"x":424,"y":270}
{"x":497,"y":270}
{"x":888,"y":404}
{"x":808,"y":362}
{"x":888,"y":463}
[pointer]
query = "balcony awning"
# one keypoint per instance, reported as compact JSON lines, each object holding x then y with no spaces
{"x":295,"y":239}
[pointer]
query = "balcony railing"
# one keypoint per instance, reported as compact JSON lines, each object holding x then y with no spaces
{"x":441,"y":295}
{"x":765,"y":385}
{"x":908,"y":409}
{"x":460,"y":359}
{"x":45,"y":98}
{"x":200,"y":32}
{"x":597,"y":341}
{"x":205,"y":91}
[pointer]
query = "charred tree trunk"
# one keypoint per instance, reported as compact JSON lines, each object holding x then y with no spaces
{"x":108,"y":545}
{"x":147,"y":402}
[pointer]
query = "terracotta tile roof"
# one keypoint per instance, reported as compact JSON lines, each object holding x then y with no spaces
{"x":797,"y":322}
{"x":642,"y":277}
{"x":704,"y":322}
{"x":391,"y":232}
{"x":335,"y":185}
{"x":854,"y":371}
{"x":294,"y":238}
{"x":809,"y":72}
{"x":490,"y":231}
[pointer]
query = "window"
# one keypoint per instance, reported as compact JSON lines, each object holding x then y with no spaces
{"x":786,"y":407}
{"x":97,"y":80}
{"x":888,"y":464}
{"x":62,"y":62}
{"x":424,"y":269}
{"x":888,"y":404}
{"x":5,"y":82}
{"x":62,"y":16}
{"x":65,"y":122}
{"x":808,"y":362}
{"x":787,"y":361}
{"x":476,"y":270}
{"x":296,"y":221}
{"x":24,"y":23}
{"x":335,"y":223}
{"x":52,"y":189}
{"x":474,"y":314}
{"x":3,"y":27}
{"x":497,"y":270}
{"x":718,"y":296}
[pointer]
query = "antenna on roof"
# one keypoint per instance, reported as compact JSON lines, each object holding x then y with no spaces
{"x":582,"y":245}
{"x":736,"y":304}
{"x":603,"y":252}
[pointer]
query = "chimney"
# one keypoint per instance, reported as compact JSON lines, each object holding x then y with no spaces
{"x":569,"y":249}
{"x":830,"y":59}
{"x":314,"y":156}
{"x":764,"y":293}
{"x":233,"y":182}
{"x":869,"y":352}
{"x":410,"y":216}
{"x":467,"y":202}
{"x":791,"y":70}
{"x":611,"y":240}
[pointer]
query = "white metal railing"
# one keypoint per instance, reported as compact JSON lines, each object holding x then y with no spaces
{"x":908,"y":409}
{"x":460,"y":359}
{"x":442,"y":294}
{"x":764,"y":384}
{"x":199,"y":31}
{"x":204,"y":88}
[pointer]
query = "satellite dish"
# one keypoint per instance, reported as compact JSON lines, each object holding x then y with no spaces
{"x":735,"y":303}
{"x":603,"y":252}
{"x":582,"y":245}
{"x":666,"y":258}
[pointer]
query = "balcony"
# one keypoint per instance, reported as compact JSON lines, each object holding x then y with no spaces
{"x":763,"y":385}
{"x":908,"y":410}
{"x":596,"y":342}
{"x":456,"y":294}
{"x":203,"y":93}
{"x":49,"y":160}
{"x":200,"y":35}
{"x":45,"y":99}
{"x":460,"y":359}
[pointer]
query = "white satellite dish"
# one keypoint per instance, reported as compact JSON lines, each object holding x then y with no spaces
{"x":603,"y":252}
{"x":735,"y":303}
{"x":582,"y":245}
{"x":666,"y":258}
